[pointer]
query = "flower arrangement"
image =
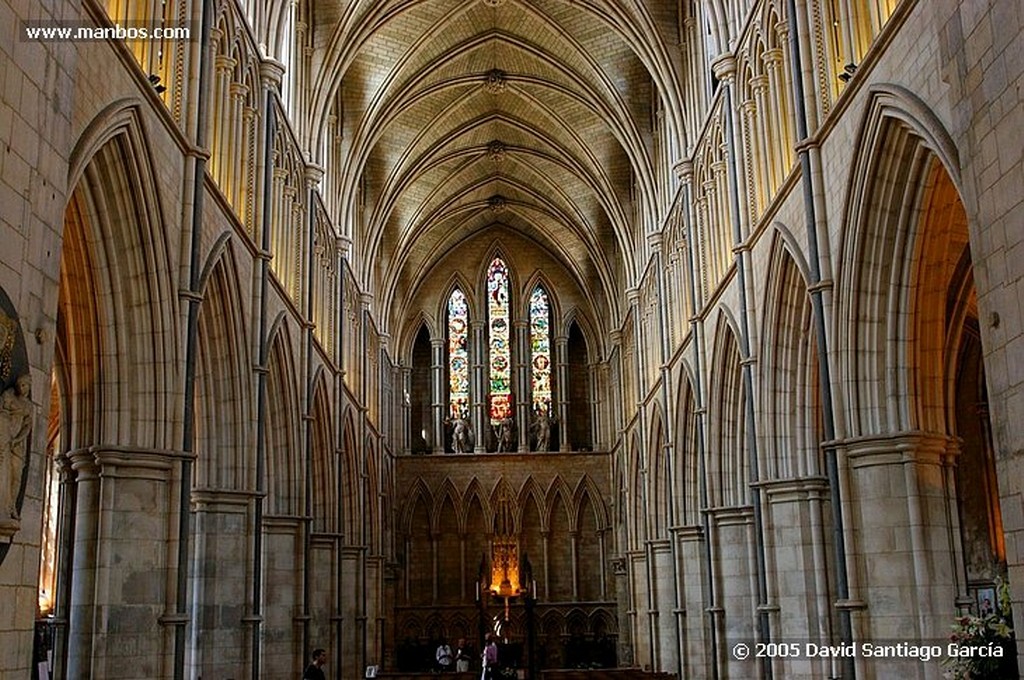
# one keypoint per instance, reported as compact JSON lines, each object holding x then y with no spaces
{"x":982,"y":647}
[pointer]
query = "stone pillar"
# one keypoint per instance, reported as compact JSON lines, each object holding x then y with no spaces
{"x":219,"y":589}
{"x":736,"y":580}
{"x":693,"y":578}
{"x":479,"y":390}
{"x":406,"y":416}
{"x":123,"y":567}
{"x":797,"y":543}
{"x":524,"y":393}
{"x":624,"y":641}
{"x":901,"y":534}
{"x":283,"y":617}
{"x":437,"y":389}
{"x":562,"y":366}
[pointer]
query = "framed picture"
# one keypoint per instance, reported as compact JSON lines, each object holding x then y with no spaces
{"x":371,"y":672}
{"x":986,"y":599}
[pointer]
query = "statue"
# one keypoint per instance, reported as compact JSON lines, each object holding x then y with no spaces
{"x":15,"y":424}
{"x":542,"y":430}
{"x":506,"y":432}
{"x":462,"y":435}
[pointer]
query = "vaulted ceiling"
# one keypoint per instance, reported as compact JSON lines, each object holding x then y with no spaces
{"x":529,"y":115}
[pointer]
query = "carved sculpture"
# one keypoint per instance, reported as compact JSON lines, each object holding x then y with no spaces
{"x":542,"y":430}
{"x":15,"y":424}
{"x":506,"y":429}
{"x":461,"y":435}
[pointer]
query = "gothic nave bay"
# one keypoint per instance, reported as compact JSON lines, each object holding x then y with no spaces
{"x":638,"y":338}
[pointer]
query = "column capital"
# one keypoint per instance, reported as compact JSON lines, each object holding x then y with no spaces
{"x":684,"y":170}
{"x":271,"y":72}
{"x":724,"y":66}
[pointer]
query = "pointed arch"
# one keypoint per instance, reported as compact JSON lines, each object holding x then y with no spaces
{"x":325,"y":462}
{"x":561,"y":579}
{"x":902,"y":145}
{"x":540,"y":313}
{"x":285,"y":472}
{"x":659,"y":478}
{"x":637,"y":512}
{"x":686,"y":449}
{"x":727,"y":466}
{"x":459,"y":343}
{"x":418,"y":495}
{"x":790,"y":389}
{"x":222,"y":397}
{"x":447,"y":494}
{"x":115,"y":223}
{"x":349,"y":476}
{"x":499,"y":286}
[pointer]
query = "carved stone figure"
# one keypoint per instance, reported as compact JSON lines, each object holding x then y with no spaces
{"x":542,"y":430}
{"x":462,"y":435}
{"x":506,"y":430}
{"x":15,"y":424}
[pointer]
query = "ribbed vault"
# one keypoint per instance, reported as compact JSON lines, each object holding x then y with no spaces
{"x":456,"y":117}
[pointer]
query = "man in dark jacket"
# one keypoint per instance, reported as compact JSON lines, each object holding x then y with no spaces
{"x":314,"y":670}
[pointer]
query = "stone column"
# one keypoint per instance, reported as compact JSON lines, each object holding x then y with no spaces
{"x":123,"y":571}
{"x":797,"y":543}
{"x":479,"y":392}
{"x":219,"y":585}
{"x":524,"y":393}
{"x":437,"y":389}
{"x":901,"y":533}
{"x":406,"y":423}
{"x":562,"y":366}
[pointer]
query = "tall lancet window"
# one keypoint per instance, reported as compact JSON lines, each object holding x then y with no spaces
{"x":458,"y":354}
{"x":540,"y":350}
{"x":500,"y":381}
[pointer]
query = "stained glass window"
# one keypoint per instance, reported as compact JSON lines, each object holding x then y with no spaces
{"x":458,"y":354}
{"x":500,"y":377}
{"x":540,"y":350}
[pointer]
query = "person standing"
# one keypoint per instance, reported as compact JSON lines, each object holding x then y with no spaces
{"x":314,"y":671}
{"x":490,"y":658}
{"x":444,"y":657}
{"x":462,"y":656}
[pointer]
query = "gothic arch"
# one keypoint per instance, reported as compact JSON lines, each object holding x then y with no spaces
{"x":637,"y":508}
{"x":498,"y":250}
{"x":539,"y":278}
{"x":284,"y":464}
{"x":587,"y":490}
{"x":120,"y":258}
{"x":419,"y":492}
{"x":223,"y":400}
{"x":447,"y":493}
{"x":324,"y":462}
{"x":475,"y":490}
{"x":790,"y":431}
{"x":531,"y":492}
{"x":349,"y":486}
{"x":475,"y":307}
{"x":901,"y":146}
{"x":412,"y":331}
{"x":660,"y":478}
{"x":685,"y":449}
{"x":727,"y":465}
{"x":593,"y":339}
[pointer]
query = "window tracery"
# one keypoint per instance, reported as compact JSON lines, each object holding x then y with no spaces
{"x":540,"y":350}
{"x":500,"y":364}
{"x":458,"y":354}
